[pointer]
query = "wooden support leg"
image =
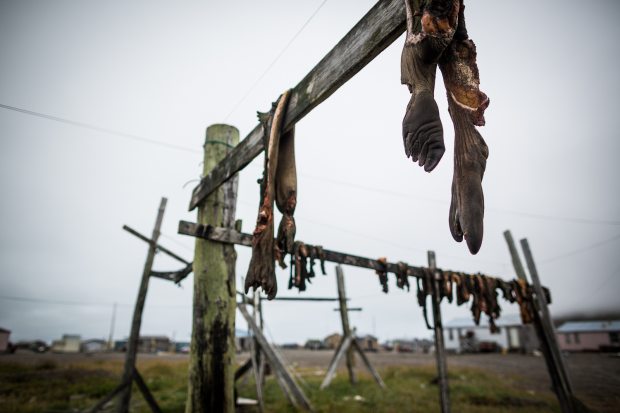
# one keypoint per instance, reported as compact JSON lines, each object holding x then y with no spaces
{"x":109,"y":397}
{"x":369,"y":366}
{"x":244,"y":368}
{"x":440,"y":352}
{"x":146,"y":393}
{"x":254,"y":357}
{"x":344,"y":316}
{"x":546,"y":331}
{"x":298,"y":398}
{"x":340,"y":351}
{"x":134,"y":335}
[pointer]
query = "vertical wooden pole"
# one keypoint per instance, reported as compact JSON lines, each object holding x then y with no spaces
{"x":440,"y":351}
{"x":542,"y":319}
{"x":134,"y":335}
{"x":514,"y":254}
{"x":256,"y":355}
{"x":346,"y":328}
{"x":212,"y":353}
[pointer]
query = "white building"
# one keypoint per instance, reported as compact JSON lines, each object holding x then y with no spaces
{"x":68,"y":344}
{"x":462,"y":335}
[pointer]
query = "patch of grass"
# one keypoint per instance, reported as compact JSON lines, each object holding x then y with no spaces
{"x":409,"y":389}
{"x":68,"y":387}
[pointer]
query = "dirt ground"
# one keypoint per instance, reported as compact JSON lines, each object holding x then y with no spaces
{"x":595,"y":377}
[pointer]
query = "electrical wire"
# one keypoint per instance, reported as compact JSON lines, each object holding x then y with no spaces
{"x":83,"y":303}
{"x":99,"y":129}
{"x":151,"y":141}
{"x":580,"y":250}
{"x":272,"y":64}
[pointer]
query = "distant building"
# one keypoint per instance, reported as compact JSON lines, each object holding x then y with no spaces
{"x":153,"y":344}
{"x":4,"y":339}
{"x":69,"y":343}
{"x":462,"y":335}
{"x":93,"y":346}
{"x":332,"y":341}
{"x":589,"y":336}
{"x":314,"y":344}
{"x":182,"y":347}
{"x":368,"y":343}
{"x":408,"y":346}
{"x":242,"y":340}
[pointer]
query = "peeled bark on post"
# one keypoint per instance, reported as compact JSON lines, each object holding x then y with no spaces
{"x":261,"y":271}
{"x":212,"y":354}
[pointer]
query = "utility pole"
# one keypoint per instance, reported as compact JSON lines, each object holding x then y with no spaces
{"x":212,"y":354}
{"x":111,"y":337}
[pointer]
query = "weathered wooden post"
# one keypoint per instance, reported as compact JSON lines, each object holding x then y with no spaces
{"x":134,"y":335}
{"x":555,"y":362}
{"x":344,"y":316}
{"x":545,"y":331}
{"x":440,"y":351}
{"x":212,"y":354}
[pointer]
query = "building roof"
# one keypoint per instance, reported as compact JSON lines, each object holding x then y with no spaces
{"x":504,"y":320}
{"x":589,"y":326}
{"x":4,"y":330}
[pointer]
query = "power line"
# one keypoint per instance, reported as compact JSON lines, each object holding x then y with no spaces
{"x":382,"y":240}
{"x":505,"y":211}
{"x":290,"y":42}
{"x":325,"y":179}
{"x":99,"y":129}
{"x":580,"y":250}
{"x":82,"y":303}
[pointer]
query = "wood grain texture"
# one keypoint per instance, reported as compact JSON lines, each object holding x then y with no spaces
{"x":212,"y":350}
{"x":383,"y":24}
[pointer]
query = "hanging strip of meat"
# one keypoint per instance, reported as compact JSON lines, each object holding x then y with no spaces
{"x":466,"y":104}
{"x":424,"y":44}
{"x":402,"y":280}
{"x":382,"y":273}
{"x":261,"y":271}
{"x":286,"y":195}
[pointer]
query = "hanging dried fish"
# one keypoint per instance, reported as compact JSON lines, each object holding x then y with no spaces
{"x":466,"y":104}
{"x":382,"y":273}
{"x":401,"y":275}
{"x":424,"y":44}
{"x":286,"y":194}
{"x":424,"y":283}
{"x":261,"y":271}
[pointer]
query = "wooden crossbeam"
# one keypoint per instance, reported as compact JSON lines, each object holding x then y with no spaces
{"x":233,"y":237}
{"x":383,"y":24}
{"x":159,"y":247}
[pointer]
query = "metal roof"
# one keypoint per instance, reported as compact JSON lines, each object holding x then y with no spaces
{"x":589,"y":326}
{"x":468,"y":322}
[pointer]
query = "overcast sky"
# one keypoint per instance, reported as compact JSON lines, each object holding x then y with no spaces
{"x":166,"y":70}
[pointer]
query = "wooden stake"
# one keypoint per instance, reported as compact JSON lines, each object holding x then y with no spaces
{"x":134,"y":335}
{"x":514,"y":254}
{"x":212,"y":354}
{"x":297,"y":396}
{"x":255,"y":354}
{"x":440,"y":352}
{"x":546,"y":331}
{"x":344,"y":317}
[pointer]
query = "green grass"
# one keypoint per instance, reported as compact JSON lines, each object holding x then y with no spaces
{"x":409,"y":389}
{"x":51,"y":387}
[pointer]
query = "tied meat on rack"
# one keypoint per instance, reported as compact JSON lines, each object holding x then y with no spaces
{"x":261,"y":271}
{"x":437,"y":36}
